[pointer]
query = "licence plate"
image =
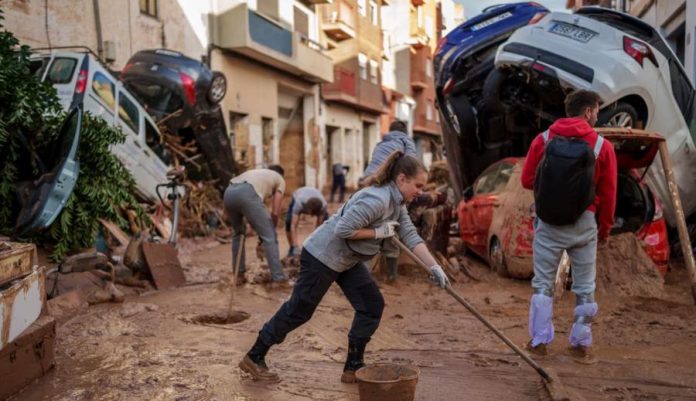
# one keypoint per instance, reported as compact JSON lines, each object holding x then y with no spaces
{"x":491,"y":21}
{"x":571,"y":31}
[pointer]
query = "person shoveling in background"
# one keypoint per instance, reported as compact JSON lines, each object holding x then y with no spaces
{"x":573,"y":173}
{"x":335,"y":252}
{"x":396,"y":140}
{"x":244,"y":199}
{"x":305,"y":200}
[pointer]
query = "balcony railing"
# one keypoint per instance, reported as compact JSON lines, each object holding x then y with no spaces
{"x":343,"y":86}
{"x":349,"y":89}
{"x":338,"y":20}
{"x":421,"y":69}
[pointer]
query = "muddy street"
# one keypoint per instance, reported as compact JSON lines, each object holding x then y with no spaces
{"x":151,"y":346}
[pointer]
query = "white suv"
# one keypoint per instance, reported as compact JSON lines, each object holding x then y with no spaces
{"x":624,"y":60}
{"x":81,"y":78}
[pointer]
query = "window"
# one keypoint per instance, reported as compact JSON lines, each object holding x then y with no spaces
{"x":149,"y":7}
{"x":154,"y":142}
{"x":421,"y":16}
{"x":301,"y":22}
{"x":374,"y":68}
{"x":362,"y":7}
{"x":374,"y":13}
{"x":62,"y":70}
{"x":362,"y":65}
{"x":428,"y":68}
{"x":429,"y":110}
{"x":128,"y":112}
{"x":104,"y":88}
{"x":429,"y":27}
{"x":494,"y":179}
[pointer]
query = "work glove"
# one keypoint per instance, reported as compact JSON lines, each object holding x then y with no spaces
{"x":438,"y":276}
{"x":386,"y":230}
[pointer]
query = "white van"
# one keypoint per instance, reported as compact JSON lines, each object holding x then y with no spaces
{"x":80,"y":78}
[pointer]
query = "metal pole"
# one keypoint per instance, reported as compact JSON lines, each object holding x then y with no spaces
{"x":679,"y":216}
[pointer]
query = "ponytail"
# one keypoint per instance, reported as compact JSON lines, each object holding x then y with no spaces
{"x":397,"y":163}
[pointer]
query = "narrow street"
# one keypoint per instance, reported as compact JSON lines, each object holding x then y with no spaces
{"x":148,"y":349}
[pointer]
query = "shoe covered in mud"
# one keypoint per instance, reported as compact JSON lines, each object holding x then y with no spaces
{"x":258,"y":370}
{"x":539,"y":350}
{"x":280,"y":285}
{"x":241,"y":280}
{"x":583,"y":355}
{"x":354,"y":360}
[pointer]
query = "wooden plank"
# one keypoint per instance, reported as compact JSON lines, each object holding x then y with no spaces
{"x":115,"y":231}
{"x":684,"y":239}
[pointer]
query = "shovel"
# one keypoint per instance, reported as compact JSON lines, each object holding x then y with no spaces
{"x":162,"y":259}
{"x":551,"y":381}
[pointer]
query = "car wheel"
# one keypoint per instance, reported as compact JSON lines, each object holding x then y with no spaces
{"x":497,"y":258}
{"x":623,"y":115}
{"x":218,"y":87}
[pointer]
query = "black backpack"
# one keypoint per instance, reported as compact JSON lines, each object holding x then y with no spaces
{"x":564,"y":183}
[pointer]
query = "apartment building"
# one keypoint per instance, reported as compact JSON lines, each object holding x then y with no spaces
{"x":352,"y":103}
{"x":408,"y":66}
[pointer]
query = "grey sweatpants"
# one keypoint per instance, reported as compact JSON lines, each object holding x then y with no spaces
{"x":241,"y":201}
{"x":579,"y":240}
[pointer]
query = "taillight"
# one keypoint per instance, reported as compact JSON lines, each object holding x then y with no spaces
{"x":189,"y":87}
{"x":536,"y":18}
{"x":81,"y":83}
{"x":449,"y":85}
{"x":126,"y":68}
{"x":638,"y":50}
{"x":440,"y":43}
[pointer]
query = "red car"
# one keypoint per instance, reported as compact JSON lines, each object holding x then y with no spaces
{"x":495,"y":218}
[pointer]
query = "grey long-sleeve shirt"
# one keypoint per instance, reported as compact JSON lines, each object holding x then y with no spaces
{"x":395,"y":140}
{"x":368,"y":208}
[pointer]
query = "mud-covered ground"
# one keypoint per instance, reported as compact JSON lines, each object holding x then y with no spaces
{"x":148,"y":349}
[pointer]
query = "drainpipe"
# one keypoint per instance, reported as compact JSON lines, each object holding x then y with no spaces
{"x":97,"y":25}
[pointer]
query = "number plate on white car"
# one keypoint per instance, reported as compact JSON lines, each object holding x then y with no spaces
{"x":571,"y":31}
{"x":491,"y":21}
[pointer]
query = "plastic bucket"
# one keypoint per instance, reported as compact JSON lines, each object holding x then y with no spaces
{"x":387,"y":382}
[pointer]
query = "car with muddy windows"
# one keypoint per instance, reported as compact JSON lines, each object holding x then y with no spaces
{"x":496,"y":215}
{"x":79,"y":78}
{"x":626,"y":61}
{"x":463,"y":59}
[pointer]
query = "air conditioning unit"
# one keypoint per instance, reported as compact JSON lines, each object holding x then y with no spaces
{"x":109,"y":51}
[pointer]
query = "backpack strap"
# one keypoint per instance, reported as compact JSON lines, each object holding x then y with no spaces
{"x":545,"y":136}
{"x":598,"y":145}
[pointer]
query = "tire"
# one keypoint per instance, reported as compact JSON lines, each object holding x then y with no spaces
{"x":621,"y":115}
{"x":497,"y":258}
{"x":217,"y":88}
{"x":491,"y":91}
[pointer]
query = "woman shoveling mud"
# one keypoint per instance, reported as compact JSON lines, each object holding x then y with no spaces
{"x":336,"y":251}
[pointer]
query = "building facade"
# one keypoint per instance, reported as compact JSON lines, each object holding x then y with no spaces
{"x":352,"y":103}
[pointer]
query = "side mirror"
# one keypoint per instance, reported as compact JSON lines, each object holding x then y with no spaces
{"x":468,"y":193}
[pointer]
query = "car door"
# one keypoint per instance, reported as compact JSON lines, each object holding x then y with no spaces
{"x":472,"y":209}
{"x":487,"y":201}
{"x":44,"y":198}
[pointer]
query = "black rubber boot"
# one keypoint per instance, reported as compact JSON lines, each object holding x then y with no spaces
{"x":254,"y":362}
{"x":392,"y":268}
{"x":354,"y":361}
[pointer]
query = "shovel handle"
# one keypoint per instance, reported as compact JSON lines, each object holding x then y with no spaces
{"x":478,"y":315}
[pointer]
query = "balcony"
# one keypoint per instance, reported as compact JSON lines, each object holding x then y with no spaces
{"x":249,"y":33}
{"x":421,"y":69}
{"x":350,"y":90}
{"x":338,"y":20}
{"x":424,"y":116}
{"x":343,"y":89}
{"x":320,"y":1}
{"x":417,"y":3}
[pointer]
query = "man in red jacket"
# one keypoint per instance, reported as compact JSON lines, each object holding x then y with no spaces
{"x":580,"y":238}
